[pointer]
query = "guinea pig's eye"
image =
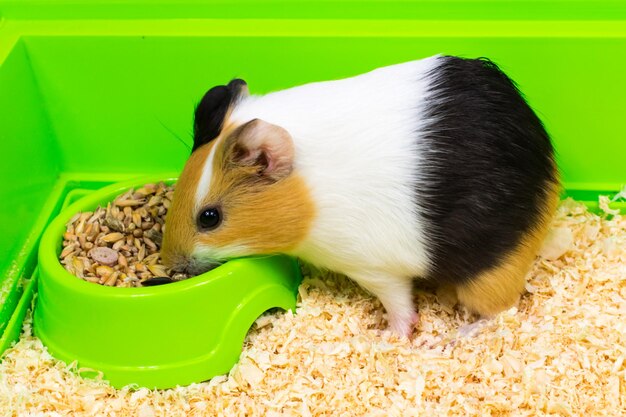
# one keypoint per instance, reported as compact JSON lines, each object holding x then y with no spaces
{"x":209,"y":218}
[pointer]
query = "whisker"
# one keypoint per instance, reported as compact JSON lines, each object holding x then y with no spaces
{"x":174,"y":134}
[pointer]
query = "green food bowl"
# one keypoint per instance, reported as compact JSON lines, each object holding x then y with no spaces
{"x":161,"y":336}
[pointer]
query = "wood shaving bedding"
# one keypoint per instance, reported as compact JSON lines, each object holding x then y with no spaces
{"x":560,"y":352}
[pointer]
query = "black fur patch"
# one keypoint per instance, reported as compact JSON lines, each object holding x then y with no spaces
{"x":487,"y":162}
{"x":211,"y":111}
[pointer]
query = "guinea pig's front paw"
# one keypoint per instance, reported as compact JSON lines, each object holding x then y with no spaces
{"x":403,"y":325}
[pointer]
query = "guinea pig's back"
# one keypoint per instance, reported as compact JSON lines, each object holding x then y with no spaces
{"x":373,"y":114}
{"x":492,"y":181}
{"x":437,"y":167}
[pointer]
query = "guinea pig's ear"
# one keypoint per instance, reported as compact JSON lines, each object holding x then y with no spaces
{"x":265,"y":146}
{"x":213,"y":109}
{"x":239,"y":88}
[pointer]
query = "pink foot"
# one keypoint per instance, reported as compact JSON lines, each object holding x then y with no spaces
{"x":403,"y":326}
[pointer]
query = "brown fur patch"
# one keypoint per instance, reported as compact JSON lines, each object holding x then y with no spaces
{"x":180,"y":233}
{"x":500,"y":288}
{"x":263,"y":215}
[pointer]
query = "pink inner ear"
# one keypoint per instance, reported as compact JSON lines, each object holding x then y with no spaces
{"x":267,"y":145}
{"x":248,"y":156}
{"x":245,"y":156}
{"x":270,"y":164}
{"x":266,"y":160}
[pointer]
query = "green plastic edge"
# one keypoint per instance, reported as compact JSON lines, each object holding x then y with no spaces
{"x":14,"y":327}
{"x":25,"y":260}
{"x":10,"y":293}
{"x":306,"y":9}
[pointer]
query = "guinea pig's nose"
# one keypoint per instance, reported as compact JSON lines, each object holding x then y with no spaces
{"x":174,"y":261}
{"x":181,"y":264}
{"x":200,"y":266}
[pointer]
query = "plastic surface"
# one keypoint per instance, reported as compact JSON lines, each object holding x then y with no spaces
{"x":162,"y":336}
{"x":16,"y":318}
{"x":93,"y":92}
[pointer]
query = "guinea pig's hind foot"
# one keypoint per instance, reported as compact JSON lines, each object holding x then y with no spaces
{"x":472,"y":329}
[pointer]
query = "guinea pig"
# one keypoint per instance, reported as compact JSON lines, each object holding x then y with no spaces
{"x":435,"y":169}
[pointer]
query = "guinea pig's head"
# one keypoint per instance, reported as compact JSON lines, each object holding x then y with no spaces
{"x":239,"y":193}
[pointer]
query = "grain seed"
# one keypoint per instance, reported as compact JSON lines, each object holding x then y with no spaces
{"x":112,"y":237}
{"x":129,"y":203}
{"x":114,"y":224}
{"x":118,"y":245}
{"x":154,"y":200}
{"x":81,"y":227}
{"x":153,"y":235}
{"x":142,"y":253}
{"x":149,"y":242}
{"x":79,"y":267}
{"x":158,"y":270}
{"x":74,"y":218}
{"x":68,"y":250}
{"x":112,"y":279}
{"x":122,"y":261}
{"x":104,"y":271}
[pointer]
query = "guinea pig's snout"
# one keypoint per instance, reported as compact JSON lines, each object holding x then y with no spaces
{"x":181,"y":258}
{"x":197,"y":266}
{"x":189,"y":265}
{"x":175,"y":262}
{"x":173,"y":257}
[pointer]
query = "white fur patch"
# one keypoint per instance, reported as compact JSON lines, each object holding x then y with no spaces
{"x":209,"y":254}
{"x":357,"y":145}
{"x":205,"y":180}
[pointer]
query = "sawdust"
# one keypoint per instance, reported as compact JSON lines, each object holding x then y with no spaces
{"x":560,"y":352}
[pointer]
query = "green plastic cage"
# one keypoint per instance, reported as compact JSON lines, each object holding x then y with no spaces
{"x":93,"y":93}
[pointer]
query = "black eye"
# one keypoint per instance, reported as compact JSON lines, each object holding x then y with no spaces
{"x":209,"y":218}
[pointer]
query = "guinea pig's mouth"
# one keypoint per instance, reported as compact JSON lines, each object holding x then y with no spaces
{"x":193,"y":266}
